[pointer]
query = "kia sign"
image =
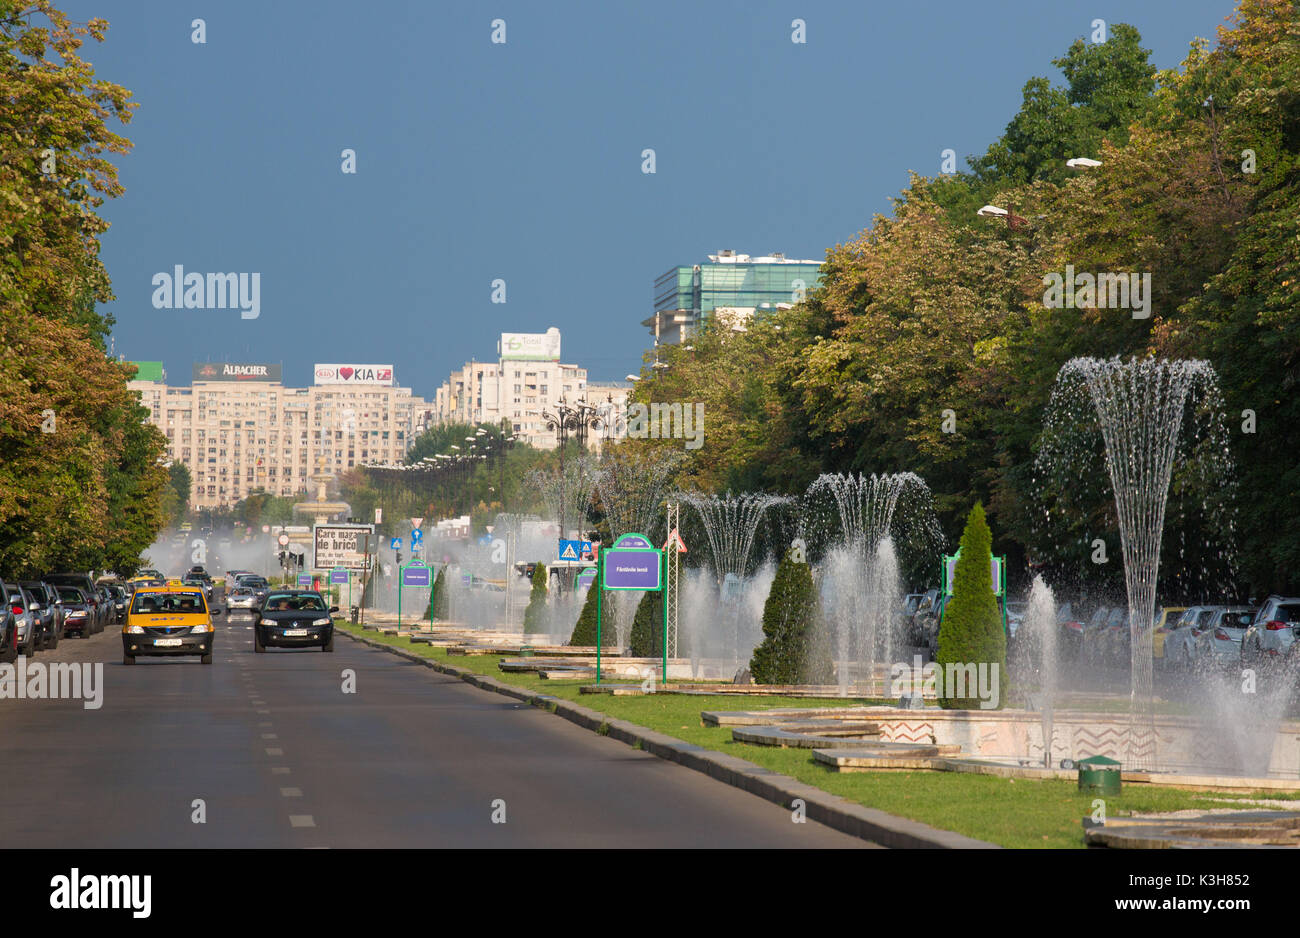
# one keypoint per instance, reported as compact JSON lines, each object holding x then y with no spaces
{"x":632,"y":569}
{"x":353,"y":374}
{"x":231,"y":371}
{"x":340,"y":545}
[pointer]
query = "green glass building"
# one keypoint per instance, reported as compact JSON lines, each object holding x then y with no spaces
{"x":685,"y":297}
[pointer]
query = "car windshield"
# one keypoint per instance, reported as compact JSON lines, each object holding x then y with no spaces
{"x":181,"y":603}
{"x":280,"y":602}
{"x":1205,"y":616}
{"x":1235,"y":619}
{"x":1288,"y":613}
{"x":70,"y":595}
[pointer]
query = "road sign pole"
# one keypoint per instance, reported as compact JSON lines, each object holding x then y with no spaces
{"x":400,"y":577}
{"x":663,"y":571}
{"x":600,"y":590}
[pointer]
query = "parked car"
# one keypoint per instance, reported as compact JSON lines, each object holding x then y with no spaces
{"x":91,"y":596}
{"x":924,"y":608}
{"x":1220,"y":641}
{"x":929,"y":618}
{"x":107,"y":606}
{"x":1272,"y":633}
{"x":294,"y":619}
{"x":49,"y":614}
{"x":120,"y":598}
{"x":1092,"y":644}
{"x":29,"y":627}
{"x":1015,"y":612}
{"x":78,"y":611}
{"x":1070,"y":632}
{"x":1166,"y":618}
{"x":1180,"y":644}
{"x":8,"y":628}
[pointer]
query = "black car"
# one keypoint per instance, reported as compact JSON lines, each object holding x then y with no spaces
{"x":294,"y":619}
{"x":78,"y":611}
{"x":49,"y":614}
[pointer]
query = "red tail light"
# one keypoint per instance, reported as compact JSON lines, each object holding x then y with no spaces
{"x":1276,"y":626}
{"x":1222,"y":635}
{"x":16,"y":610}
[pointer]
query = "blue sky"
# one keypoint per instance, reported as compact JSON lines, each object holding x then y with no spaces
{"x":522,"y":161}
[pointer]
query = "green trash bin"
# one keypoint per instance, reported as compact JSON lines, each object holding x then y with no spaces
{"x":1099,"y":775}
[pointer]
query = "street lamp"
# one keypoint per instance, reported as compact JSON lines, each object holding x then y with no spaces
{"x":992,"y":211}
{"x":1082,"y":162}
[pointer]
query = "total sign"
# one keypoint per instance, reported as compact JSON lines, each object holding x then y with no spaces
{"x":354,"y":374}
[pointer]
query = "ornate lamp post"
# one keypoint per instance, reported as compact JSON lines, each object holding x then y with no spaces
{"x":570,"y":419}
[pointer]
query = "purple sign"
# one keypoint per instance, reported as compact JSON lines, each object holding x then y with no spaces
{"x":338,"y":576}
{"x":638,"y":541}
{"x":586,"y":578}
{"x":304,"y":579}
{"x":415,"y":576}
{"x":632,"y":569}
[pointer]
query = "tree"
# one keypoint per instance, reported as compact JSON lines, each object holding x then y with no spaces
{"x":584,"y":631}
{"x":439,"y":607}
{"x":790,"y":652}
{"x":535,"y":614}
{"x":971,"y":632}
{"x":646,"y":640}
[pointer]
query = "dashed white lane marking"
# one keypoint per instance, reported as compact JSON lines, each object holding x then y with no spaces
{"x":280,"y":770}
{"x":264,"y":711}
{"x":301,"y":820}
{"x":257,"y":702}
{"x":270,"y":736}
{"x":274,"y":751}
{"x":290,"y":792}
{"x":265,"y":723}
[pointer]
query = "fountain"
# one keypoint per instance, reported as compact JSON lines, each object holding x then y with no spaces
{"x":860,"y":580}
{"x":730,"y":525}
{"x":1037,"y":638}
{"x":1139,"y":407}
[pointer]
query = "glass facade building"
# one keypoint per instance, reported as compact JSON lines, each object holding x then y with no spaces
{"x":686,"y":296}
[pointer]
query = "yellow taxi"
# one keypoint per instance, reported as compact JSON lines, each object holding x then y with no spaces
{"x":168,"y":620}
{"x":1166,"y":619}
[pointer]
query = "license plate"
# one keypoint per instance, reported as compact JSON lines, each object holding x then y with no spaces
{"x":294,"y":633}
{"x":167,"y":642}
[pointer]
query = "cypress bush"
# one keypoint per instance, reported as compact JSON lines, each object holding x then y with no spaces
{"x":790,"y":652}
{"x":584,"y":632}
{"x":535,"y":614}
{"x":971,"y":630}
{"x":647,"y":639}
{"x":438,"y":604}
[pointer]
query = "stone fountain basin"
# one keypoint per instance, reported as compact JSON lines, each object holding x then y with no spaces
{"x":1235,"y":829}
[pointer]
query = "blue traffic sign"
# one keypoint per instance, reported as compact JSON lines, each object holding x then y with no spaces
{"x":395,"y":544}
{"x":574,"y":550}
{"x":417,"y":536}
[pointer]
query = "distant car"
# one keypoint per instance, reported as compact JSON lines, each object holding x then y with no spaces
{"x":294,"y":619}
{"x":199,"y":583}
{"x":168,"y":621}
{"x":1180,"y":645}
{"x":1220,"y":641}
{"x":242,"y":599}
{"x":1015,"y":612}
{"x":150,"y":573}
{"x":1272,"y":633}
{"x":120,"y":599}
{"x":1166,"y":618}
{"x":49,"y":614}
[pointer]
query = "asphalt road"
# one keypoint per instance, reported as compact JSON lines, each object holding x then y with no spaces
{"x":280,"y":756}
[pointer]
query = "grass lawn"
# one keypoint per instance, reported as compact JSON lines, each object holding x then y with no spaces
{"x":1010,"y":812}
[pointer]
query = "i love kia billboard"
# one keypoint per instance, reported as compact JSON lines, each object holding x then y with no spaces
{"x":353,"y":374}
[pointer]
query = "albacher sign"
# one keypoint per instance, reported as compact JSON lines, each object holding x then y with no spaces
{"x":353,"y":374}
{"x":341,"y":545}
{"x":231,"y":371}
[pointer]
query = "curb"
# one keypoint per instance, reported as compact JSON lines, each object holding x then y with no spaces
{"x":835,"y":812}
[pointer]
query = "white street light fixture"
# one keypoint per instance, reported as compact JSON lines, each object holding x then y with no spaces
{"x":1082,"y":162}
{"x":991,"y":211}
{"x":633,"y":378}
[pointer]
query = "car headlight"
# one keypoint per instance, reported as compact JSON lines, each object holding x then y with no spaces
{"x":321,"y":622}
{"x":206,"y":627}
{"x":267,"y":622}
{"x":77,"y":614}
{"x":135,"y":629}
